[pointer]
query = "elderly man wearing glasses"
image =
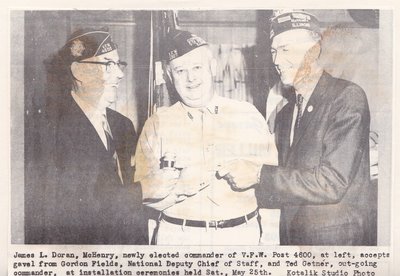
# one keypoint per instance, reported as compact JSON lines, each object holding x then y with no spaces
{"x":94,"y":200}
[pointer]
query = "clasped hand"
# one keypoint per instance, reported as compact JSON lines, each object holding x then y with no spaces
{"x":240,"y":174}
{"x":191,"y":180}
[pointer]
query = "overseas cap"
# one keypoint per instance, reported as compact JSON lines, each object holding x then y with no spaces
{"x":293,"y":20}
{"x":87,"y":43}
{"x":180,"y":42}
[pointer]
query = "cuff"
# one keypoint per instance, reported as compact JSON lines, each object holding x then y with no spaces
{"x":267,"y":196}
{"x":259,"y":174}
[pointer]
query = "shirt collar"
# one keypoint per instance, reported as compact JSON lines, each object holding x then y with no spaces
{"x":214,"y":104}
{"x":212,"y":107}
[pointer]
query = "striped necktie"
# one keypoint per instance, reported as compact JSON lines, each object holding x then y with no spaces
{"x":111,"y":148}
{"x":299,"y":105}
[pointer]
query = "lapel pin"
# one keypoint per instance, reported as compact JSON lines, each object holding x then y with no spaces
{"x":310,"y":108}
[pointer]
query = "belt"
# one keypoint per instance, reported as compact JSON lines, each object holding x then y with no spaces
{"x":211,"y":223}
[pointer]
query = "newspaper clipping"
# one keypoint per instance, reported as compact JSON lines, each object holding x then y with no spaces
{"x":201,"y":142}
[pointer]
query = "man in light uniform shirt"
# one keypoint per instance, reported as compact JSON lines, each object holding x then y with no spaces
{"x":181,"y":147}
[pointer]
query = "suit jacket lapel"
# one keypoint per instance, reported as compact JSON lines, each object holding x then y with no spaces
{"x":87,"y":134}
{"x":283,"y":126}
{"x":114,"y":127}
{"x":311,"y":107}
{"x":120,"y":144}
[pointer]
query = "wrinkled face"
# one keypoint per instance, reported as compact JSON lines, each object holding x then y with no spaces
{"x":293,"y":52}
{"x":99,"y":82}
{"x":192,"y":77}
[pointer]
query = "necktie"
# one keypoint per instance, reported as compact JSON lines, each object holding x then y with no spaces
{"x":107,"y":132}
{"x":299,"y":105}
{"x":111,"y":148}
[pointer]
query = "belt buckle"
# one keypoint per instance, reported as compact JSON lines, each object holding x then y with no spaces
{"x":213,"y":224}
{"x":220,"y":224}
{"x":217,"y":224}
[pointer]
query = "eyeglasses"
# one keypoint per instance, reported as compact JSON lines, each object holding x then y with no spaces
{"x":110,"y":65}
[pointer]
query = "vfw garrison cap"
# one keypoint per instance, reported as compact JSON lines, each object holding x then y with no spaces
{"x":87,"y":43}
{"x":179,"y":42}
{"x":293,"y":20}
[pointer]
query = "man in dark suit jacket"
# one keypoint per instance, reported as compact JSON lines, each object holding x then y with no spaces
{"x":94,"y":200}
{"x":322,"y":134}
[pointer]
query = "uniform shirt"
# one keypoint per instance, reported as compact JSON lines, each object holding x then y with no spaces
{"x":225,"y":130}
{"x":96,"y":117}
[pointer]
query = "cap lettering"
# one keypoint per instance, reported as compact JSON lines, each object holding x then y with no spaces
{"x":300,"y":24}
{"x":105,"y":48}
{"x":173,"y":54}
{"x":195,"y":41}
{"x":301,"y":16}
{"x":284,"y":19}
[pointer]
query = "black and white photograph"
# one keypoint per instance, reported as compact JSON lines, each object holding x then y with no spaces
{"x":163,"y":129}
